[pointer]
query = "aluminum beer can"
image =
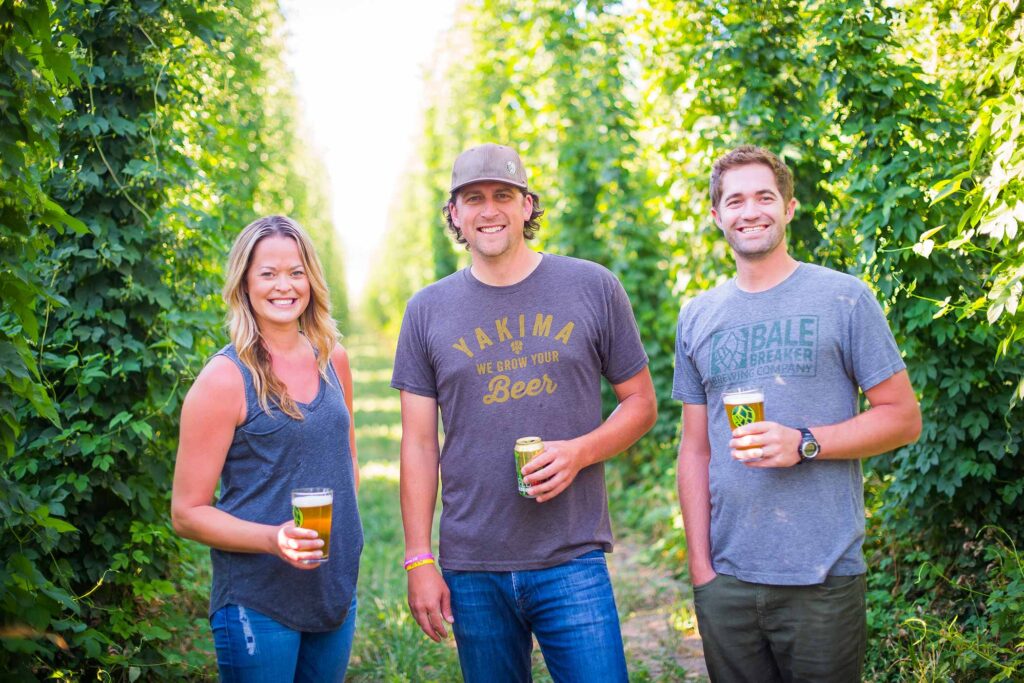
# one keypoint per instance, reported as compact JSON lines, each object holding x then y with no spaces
{"x":526,"y":449}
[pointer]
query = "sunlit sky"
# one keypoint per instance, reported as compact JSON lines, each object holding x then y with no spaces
{"x":359,"y":66}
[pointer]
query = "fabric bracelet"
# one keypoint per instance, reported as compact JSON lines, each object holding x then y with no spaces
{"x":418,"y":563}
{"x":417,"y":558}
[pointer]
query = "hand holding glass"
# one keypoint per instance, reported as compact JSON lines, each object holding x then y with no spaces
{"x":311,"y":509}
{"x":742,"y":407}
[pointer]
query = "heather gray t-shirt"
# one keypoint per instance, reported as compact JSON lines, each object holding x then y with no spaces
{"x":508,"y":362}
{"x":809,"y":342}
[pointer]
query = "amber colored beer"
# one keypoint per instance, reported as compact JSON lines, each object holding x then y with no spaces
{"x":312,"y":508}
{"x":743,"y":407}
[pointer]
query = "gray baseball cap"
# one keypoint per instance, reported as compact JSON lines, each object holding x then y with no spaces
{"x":488,"y":163}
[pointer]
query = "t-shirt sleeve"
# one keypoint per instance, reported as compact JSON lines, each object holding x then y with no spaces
{"x":686,"y":382}
{"x":623,"y":354}
{"x":413,"y":371}
{"x":873,"y":353}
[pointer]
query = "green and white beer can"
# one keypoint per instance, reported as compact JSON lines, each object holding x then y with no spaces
{"x":527,"y":448}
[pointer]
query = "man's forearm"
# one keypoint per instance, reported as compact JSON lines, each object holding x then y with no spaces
{"x":624,"y":427}
{"x":695,"y":505}
{"x":893,"y":420}
{"x":874,"y":431}
{"x":418,"y":490}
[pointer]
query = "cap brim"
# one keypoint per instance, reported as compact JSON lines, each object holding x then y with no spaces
{"x":504,"y":181}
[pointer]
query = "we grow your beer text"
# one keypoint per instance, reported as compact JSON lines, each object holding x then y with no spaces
{"x":516,"y":332}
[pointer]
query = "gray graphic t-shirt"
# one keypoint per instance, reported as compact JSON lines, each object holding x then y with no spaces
{"x":509,"y":362}
{"x":809,"y":343}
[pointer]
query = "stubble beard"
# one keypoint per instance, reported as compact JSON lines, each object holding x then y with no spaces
{"x":495,"y":249}
{"x":755,"y":252}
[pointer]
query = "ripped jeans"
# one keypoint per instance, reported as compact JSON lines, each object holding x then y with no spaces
{"x":253,"y":648}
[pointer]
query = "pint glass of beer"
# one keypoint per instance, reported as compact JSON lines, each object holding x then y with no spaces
{"x":311,"y":508}
{"x":744,"y":406}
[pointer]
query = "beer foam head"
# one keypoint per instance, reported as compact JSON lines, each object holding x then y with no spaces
{"x":313,"y":500}
{"x":743,"y":396}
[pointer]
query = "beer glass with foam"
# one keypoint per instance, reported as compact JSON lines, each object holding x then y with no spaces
{"x":311,"y":509}
{"x":744,"y":406}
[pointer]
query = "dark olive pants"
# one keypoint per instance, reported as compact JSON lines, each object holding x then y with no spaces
{"x":760,"y":633}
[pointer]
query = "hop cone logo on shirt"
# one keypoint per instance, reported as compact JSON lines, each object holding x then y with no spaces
{"x":517,"y":347}
{"x":297,"y":515}
{"x":742,"y":415}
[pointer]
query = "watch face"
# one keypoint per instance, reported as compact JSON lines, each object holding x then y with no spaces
{"x":808,"y":445}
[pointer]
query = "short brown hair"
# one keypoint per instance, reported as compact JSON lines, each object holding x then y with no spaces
{"x":745,"y":155}
{"x":529,"y":229}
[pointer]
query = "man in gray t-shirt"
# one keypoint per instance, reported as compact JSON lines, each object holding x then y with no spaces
{"x":514,"y":346}
{"x":774,"y":509}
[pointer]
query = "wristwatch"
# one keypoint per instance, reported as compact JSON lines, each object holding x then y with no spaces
{"x":809,"y":446}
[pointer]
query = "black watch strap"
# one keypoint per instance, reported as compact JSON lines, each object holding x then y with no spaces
{"x":809,"y":446}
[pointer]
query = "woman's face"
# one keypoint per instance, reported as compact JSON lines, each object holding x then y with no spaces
{"x":276,"y":282}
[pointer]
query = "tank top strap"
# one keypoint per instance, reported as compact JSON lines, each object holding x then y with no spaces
{"x":252,"y":405}
{"x":333,"y":379}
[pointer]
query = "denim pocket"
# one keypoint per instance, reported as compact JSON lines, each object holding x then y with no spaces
{"x":591,"y":557}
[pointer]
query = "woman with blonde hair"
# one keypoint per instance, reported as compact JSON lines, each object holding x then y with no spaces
{"x":270,"y":413}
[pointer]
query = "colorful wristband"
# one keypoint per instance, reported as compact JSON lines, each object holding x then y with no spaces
{"x":417,"y":558}
{"x":418,"y":563}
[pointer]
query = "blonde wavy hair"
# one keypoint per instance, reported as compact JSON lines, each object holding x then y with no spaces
{"x":315,"y":322}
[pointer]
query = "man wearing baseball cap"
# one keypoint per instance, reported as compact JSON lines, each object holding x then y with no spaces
{"x":515,"y":345}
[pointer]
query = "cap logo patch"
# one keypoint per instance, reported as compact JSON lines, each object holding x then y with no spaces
{"x":511,"y":168}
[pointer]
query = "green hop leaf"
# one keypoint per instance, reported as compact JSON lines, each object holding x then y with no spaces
{"x":742,"y":415}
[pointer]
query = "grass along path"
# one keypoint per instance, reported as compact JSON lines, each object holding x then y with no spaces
{"x":389,"y":646}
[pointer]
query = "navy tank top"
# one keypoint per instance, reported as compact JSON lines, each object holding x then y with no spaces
{"x":270,"y":455}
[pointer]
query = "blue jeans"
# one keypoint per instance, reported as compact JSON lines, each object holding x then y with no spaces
{"x":569,"y":608}
{"x":253,"y":648}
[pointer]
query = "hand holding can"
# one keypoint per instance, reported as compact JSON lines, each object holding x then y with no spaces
{"x":527,"y":448}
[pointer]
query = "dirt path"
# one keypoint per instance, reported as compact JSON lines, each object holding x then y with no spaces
{"x":658,"y":625}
